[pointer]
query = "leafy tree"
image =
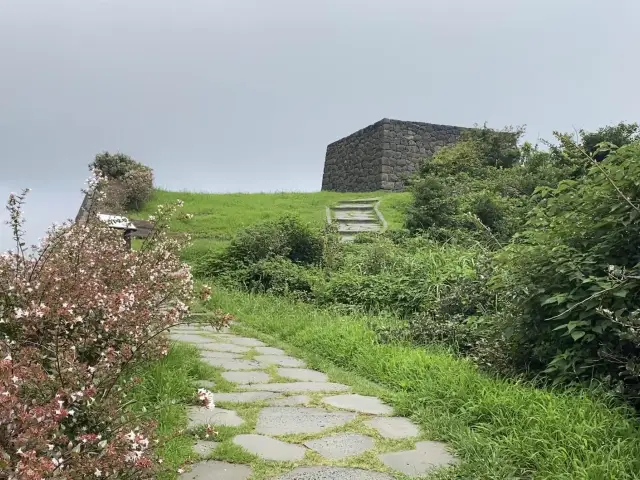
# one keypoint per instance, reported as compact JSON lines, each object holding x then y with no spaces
{"x":618,"y":135}
{"x":433,"y":205}
{"x":113,"y":166}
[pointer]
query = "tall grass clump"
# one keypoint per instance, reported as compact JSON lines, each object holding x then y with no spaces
{"x":500,"y":428}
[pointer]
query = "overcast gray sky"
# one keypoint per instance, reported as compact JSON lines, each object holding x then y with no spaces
{"x":244,"y":95}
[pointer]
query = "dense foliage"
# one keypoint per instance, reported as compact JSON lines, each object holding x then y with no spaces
{"x":130,"y":182}
{"x":501,"y":429}
{"x":571,"y":277}
{"x":268,"y":256}
{"x":78,"y":314}
{"x":525,"y":259}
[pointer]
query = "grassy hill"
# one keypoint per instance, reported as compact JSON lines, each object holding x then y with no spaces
{"x":217,"y":217}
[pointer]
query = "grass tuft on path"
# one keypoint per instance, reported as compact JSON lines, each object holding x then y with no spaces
{"x":166,"y":387}
{"x":501,"y":429}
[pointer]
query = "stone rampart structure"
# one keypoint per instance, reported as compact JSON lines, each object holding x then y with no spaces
{"x":382,"y":156}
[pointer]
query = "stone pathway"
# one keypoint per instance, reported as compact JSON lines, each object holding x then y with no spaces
{"x":294,"y":421}
{"x":356,"y":216}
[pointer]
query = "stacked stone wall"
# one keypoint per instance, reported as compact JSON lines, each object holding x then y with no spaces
{"x":383,"y":155}
{"x":353,"y":164}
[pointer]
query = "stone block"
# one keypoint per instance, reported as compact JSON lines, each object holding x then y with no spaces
{"x":291,"y":420}
{"x":269,"y":448}
{"x":426,"y":457}
{"x":358,"y":403}
{"x":333,"y":473}
{"x":395,"y":428}
{"x":341,"y":445}
{"x":213,"y":470}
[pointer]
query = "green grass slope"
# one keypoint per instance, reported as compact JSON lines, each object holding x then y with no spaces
{"x":501,"y":429}
{"x":217,"y":217}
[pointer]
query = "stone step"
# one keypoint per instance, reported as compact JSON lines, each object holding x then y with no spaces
{"x":354,"y":214}
{"x":356,"y":220}
{"x":361,"y":200}
{"x":358,"y":228}
{"x":353,"y":206}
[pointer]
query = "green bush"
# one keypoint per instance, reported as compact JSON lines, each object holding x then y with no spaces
{"x":433,"y":205}
{"x":279,"y":276}
{"x":268,"y":252}
{"x":113,"y":166}
{"x":384,"y":291}
{"x":466,"y":316}
{"x":475,"y":186}
{"x":572,"y":277}
{"x":480,"y":188}
{"x":286,"y":237}
{"x":399,"y":277}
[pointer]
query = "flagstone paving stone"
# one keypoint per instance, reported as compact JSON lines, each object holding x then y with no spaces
{"x":244,"y":397}
{"x":213,"y":470}
{"x":333,"y":473}
{"x":231,"y":364}
{"x":190,"y":338}
{"x":246,"y":342}
{"x":286,"y":420}
{"x":246,"y":378}
{"x":270,"y":351}
{"x":201,"y":416}
{"x":221,"y":337}
{"x":225,"y":355}
{"x":186,"y":331}
{"x":292,"y":401}
{"x":269,"y":448}
{"x":426,"y":457}
{"x":303,"y":374}
{"x":206,"y":384}
{"x":298,"y":387}
{"x":280,"y":360}
{"x":204,"y":448}
{"x":395,"y":428}
{"x":224,"y":347}
{"x":359,"y":403}
{"x":342,"y":445}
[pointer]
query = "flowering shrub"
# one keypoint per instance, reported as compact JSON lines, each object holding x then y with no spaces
{"x":75,"y":315}
{"x":113,"y":198}
{"x":138,"y":187}
{"x":112,"y":165}
{"x":130,"y":182}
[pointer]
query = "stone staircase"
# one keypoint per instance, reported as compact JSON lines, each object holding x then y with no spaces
{"x":356,"y":216}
